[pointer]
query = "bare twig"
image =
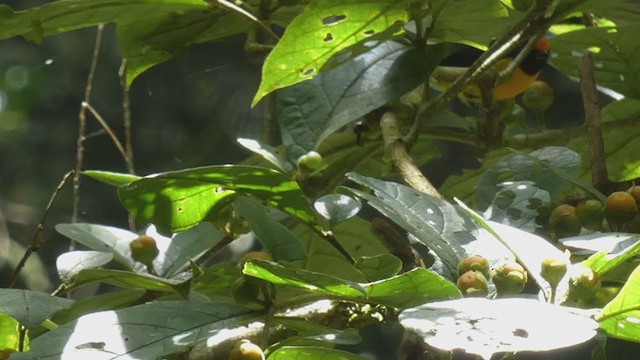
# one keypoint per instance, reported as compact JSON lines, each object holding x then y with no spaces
{"x":82,"y":129}
{"x":235,"y":8}
{"x":126,"y":116}
{"x":407,"y":168}
{"x":593,"y":121}
{"x":107,"y":128}
{"x":36,"y":241}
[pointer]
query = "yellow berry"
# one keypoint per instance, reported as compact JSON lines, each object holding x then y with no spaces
{"x":246,"y":350}
{"x":144,"y":249}
{"x":564,"y":221}
{"x":473,"y":283}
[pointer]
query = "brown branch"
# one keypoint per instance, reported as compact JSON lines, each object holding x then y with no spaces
{"x":36,"y":241}
{"x":593,"y":121}
{"x":126,"y":117}
{"x":401,"y":158}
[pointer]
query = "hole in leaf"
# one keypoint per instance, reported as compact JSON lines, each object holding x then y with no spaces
{"x":333,"y":20}
{"x":308,"y":72}
{"x":369,"y":32}
{"x":521,"y":333}
{"x":328,"y":37}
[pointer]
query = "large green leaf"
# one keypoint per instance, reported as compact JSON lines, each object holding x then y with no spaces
{"x":408,"y":289}
{"x":312,"y":110}
{"x":276,"y":238}
{"x":178,"y":200}
{"x":484,"y":327}
{"x":434,"y":222}
{"x":322,"y":31}
{"x":30,"y":308}
{"x":616,"y":59}
{"x":621,"y":316}
{"x":310,"y":352}
{"x":147,"y":331}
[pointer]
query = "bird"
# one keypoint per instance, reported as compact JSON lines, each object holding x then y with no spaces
{"x":524,"y":75}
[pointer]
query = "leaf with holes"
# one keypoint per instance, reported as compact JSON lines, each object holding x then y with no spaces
{"x":518,"y":204}
{"x":178,"y":200}
{"x":325,"y":29}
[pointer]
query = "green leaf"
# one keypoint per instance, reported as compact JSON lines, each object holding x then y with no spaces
{"x":310,"y":352}
{"x":518,"y":204}
{"x":408,"y":289}
{"x":71,"y":263}
{"x":111,"y":178}
{"x":108,"y":301}
{"x":322,"y":31}
{"x":9,"y":334}
{"x":621,"y":316}
{"x":102,"y":238}
{"x":313,"y":282}
{"x":179,"y":284}
{"x":312,"y":110}
{"x":616,"y":61}
{"x":434,"y":222}
{"x":269,"y":153}
{"x":30,"y":308}
{"x":379,"y":267}
{"x":626,"y":108}
{"x":146,"y":331}
{"x":603,"y":261}
{"x":484,"y":327}
{"x":62,"y":16}
{"x":276,"y":238}
{"x":337,"y":207}
{"x":178,"y":200}
{"x":310,"y":330}
{"x":471,"y":22}
{"x":552,"y":169}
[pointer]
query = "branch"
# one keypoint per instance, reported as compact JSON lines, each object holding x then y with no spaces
{"x":407,"y":168}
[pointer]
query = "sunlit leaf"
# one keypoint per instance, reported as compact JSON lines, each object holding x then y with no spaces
{"x":309,"y":352}
{"x":337,"y":207}
{"x":178,"y":200}
{"x":146,"y":331}
{"x":9,"y":333}
{"x":71,"y":263}
{"x":111,"y":178}
{"x":322,"y":31}
{"x":269,"y":153}
{"x":621,"y":316}
{"x":30,"y":308}
{"x":518,"y":204}
{"x":485,"y":327}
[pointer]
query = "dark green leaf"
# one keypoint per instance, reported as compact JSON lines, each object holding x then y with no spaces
{"x":434,"y":222}
{"x":379,"y":267}
{"x":309,"y":352}
{"x":30,"y":308}
{"x":324,"y":29}
{"x":71,"y":263}
{"x":312,"y":110}
{"x":178,"y":200}
{"x":179,"y":284}
{"x":518,"y":204}
{"x":146,"y":331}
{"x":276,"y":238}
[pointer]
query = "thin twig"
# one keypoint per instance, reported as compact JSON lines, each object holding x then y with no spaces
{"x":233,"y":7}
{"x":108,"y":129}
{"x":407,"y":168}
{"x":82,"y":129}
{"x":328,"y":235}
{"x":36,"y":241}
{"x":126,"y":116}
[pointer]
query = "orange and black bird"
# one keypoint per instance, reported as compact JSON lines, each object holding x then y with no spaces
{"x":526,"y":73}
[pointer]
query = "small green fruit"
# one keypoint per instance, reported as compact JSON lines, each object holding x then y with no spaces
{"x":553,"y":270}
{"x":310,"y":161}
{"x":473,"y":283}
{"x":564,"y":221}
{"x":583,"y":283}
{"x":538,"y":97}
{"x":509,"y":277}
{"x":144,"y":249}
{"x":635,"y":192}
{"x":246,"y":350}
{"x":590,"y":212}
{"x":474,"y":262}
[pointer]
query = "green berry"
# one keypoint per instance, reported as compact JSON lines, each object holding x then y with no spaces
{"x":473,"y":283}
{"x":564,"y":221}
{"x":538,"y":97}
{"x":474,"y":262}
{"x":310,"y":161}
{"x":144,"y":249}
{"x":590,"y":213}
{"x":583,"y":283}
{"x":553,"y":270}
{"x":246,"y":350}
{"x":509,"y":277}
